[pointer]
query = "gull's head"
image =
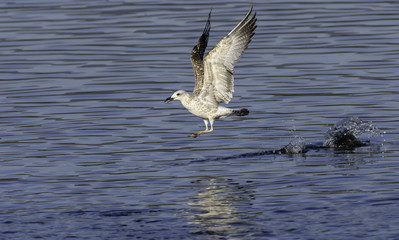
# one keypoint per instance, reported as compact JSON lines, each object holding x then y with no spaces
{"x":178,"y":95}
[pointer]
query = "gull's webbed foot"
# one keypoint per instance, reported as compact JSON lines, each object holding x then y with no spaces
{"x":194,"y":135}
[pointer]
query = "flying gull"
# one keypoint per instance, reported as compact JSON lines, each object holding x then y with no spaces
{"x":214,"y":81}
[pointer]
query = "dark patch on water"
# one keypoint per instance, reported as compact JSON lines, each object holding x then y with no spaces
{"x":345,"y":135}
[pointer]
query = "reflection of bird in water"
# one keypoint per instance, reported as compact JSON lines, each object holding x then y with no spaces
{"x":223,"y":208}
{"x":214,"y":81}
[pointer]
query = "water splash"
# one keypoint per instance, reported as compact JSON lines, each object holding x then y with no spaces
{"x":350,"y":133}
{"x":346,"y":134}
{"x":296,"y":145}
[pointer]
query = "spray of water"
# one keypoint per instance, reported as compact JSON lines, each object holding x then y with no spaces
{"x":350,"y":133}
{"x":347,"y":134}
{"x":296,"y":145}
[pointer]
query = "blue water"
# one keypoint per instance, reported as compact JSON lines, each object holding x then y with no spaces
{"x":90,"y":151}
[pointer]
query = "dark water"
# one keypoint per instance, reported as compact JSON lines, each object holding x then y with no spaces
{"x":90,"y":151}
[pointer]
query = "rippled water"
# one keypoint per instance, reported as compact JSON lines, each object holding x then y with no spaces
{"x":90,"y":151}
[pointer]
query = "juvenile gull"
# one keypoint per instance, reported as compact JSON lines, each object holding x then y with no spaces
{"x":214,"y":81}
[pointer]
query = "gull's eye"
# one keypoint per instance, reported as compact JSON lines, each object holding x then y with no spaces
{"x":178,"y":94}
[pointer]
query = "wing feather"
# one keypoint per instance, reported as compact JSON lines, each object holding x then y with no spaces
{"x":219,"y":63}
{"x":197,"y":56}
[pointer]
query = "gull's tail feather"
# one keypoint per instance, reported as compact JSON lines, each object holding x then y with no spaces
{"x":241,"y":112}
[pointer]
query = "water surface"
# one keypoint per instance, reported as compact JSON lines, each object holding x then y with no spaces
{"x":90,"y":151}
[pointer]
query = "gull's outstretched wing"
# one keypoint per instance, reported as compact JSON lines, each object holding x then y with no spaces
{"x":197,"y":56}
{"x":219,"y":63}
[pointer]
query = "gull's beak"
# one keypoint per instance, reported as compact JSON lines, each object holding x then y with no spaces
{"x":169,"y":99}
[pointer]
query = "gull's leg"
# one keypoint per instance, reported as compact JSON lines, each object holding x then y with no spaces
{"x":211,"y":121}
{"x":194,"y":135}
{"x":206,"y":125}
